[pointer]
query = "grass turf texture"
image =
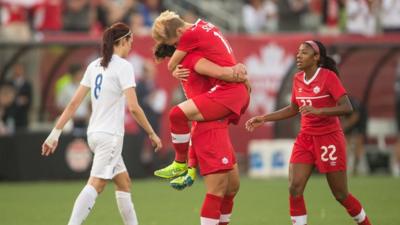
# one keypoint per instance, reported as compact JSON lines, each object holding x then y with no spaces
{"x":259,"y":202}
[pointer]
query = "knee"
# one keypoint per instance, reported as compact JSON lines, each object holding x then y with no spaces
{"x":98,"y":184}
{"x":296,"y":187}
{"x":124,"y":186}
{"x":340,"y":196}
{"x":233,"y":189}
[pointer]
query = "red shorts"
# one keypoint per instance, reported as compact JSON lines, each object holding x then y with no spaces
{"x":212,"y":147}
{"x":327,"y":152}
{"x":232,"y":97}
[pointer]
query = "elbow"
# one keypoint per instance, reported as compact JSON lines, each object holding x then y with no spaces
{"x":134,"y":109}
{"x":171,"y":66}
{"x":349,"y":110}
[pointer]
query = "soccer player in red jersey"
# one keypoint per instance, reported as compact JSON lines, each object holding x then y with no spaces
{"x":210,"y":143}
{"x":222,"y":100}
{"x":319,"y":96}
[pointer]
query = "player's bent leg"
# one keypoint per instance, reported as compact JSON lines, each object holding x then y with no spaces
{"x":338,"y":184}
{"x":228,"y":200}
{"x":124,"y":199}
{"x":298,"y":176}
{"x":86,"y":200}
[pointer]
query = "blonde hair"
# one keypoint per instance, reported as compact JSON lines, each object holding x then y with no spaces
{"x":165,"y":25}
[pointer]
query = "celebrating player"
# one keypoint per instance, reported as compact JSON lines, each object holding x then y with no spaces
{"x":222,"y":100}
{"x":111,"y":82}
{"x":210,"y":146}
{"x":319,"y":96}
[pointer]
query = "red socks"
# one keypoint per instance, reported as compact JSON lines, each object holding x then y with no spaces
{"x":211,"y":210}
{"x":298,"y":211}
{"x":355,"y":210}
{"x":180,"y":133}
{"x":226,"y":209}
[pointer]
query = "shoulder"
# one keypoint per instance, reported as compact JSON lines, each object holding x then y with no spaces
{"x":298,"y":76}
{"x":329,"y":74}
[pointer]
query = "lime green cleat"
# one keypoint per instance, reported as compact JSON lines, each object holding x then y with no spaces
{"x":184,"y":181}
{"x":174,"y":170}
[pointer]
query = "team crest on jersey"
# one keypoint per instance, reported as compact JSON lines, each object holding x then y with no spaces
{"x":225,"y":160}
{"x":316,"y":90}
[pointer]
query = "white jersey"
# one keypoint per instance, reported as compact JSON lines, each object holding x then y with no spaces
{"x":106,"y":91}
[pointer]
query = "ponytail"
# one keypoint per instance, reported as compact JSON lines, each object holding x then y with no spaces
{"x":112,"y":36}
{"x":107,"y":49}
{"x":326,"y":61}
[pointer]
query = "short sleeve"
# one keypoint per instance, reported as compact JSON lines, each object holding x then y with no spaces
{"x":86,"y":78}
{"x":190,"y":61}
{"x":127,"y":77}
{"x":189,"y":41}
{"x":335,"y":87}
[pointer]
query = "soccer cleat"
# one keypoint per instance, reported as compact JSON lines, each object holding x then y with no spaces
{"x":184,"y":181}
{"x":174,"y":170}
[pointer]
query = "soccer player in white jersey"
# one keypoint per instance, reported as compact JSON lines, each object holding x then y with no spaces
{"x":111,"y":83}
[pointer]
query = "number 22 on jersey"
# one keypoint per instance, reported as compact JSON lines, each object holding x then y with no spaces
{"x":97,"y":85}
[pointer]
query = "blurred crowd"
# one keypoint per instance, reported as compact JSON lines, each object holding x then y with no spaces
{"x":332,"y":17}
{"x":22,"y":19}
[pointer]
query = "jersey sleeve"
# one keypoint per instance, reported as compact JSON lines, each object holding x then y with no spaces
{"x":127,"y":77}
{"x":190,"y":61}
{"x":86,"y":78}
{"x":335,"y":87}
{"x":189,"y":41}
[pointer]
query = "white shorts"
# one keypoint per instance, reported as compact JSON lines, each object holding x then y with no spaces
{"x":107,"y":149}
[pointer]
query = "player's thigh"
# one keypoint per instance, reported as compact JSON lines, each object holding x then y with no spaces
{"x":217,"y":183}
{"x":234,"y":181}
{"x":191,"y":111}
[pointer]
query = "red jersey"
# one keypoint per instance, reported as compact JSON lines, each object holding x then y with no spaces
{"x":207,"y":40}
{"x":195,"y":84}
{"x":323,"y":90}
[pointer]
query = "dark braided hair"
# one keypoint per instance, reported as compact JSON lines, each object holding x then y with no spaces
{"x":161,"y":51}
{"x":112,"y":36}
{"x":326,"y":61}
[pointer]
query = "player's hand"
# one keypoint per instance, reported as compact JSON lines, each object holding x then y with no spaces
{"x":254,"y":122}
{"x":51,"y":142}
{"x":181,"y":73}
{"x":239,"y":72}
{"x":155,"y":141}
{"x":306,"y":110}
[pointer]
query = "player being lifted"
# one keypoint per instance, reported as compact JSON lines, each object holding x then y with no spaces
{"x":222,"y":100}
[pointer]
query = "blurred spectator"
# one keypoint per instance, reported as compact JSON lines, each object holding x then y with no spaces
{"x":111,"y":11}
{"x":78,"y":16}
{"x":360,"y":17}
{"x":66,"y":78}
{"x":331,"y":16}
{"x":190,"y":15}
{"x":7,"y":96}
{"x":82,"y":114}
{"x":14,"y":22}
{"x":153,"y":102}
{"x":260,"y":16}
{"x":150,"y":9}
{"x":390,"y":15}
{"x":137,"y":25}
{"x":355,"y":128}
{"x":396,"y":160}
{"x":47,"y":15}
{"x":19,"y":110}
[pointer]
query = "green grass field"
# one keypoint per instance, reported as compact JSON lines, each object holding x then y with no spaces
{"x":259,"y":202}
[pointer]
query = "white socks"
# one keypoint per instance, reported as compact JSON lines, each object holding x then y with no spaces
{"x":83,"y":204}
{"x":126,"y":208}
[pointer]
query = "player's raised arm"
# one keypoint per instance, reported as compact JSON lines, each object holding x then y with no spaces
{"x":237,"y":73}
{"x":50,"y":144}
